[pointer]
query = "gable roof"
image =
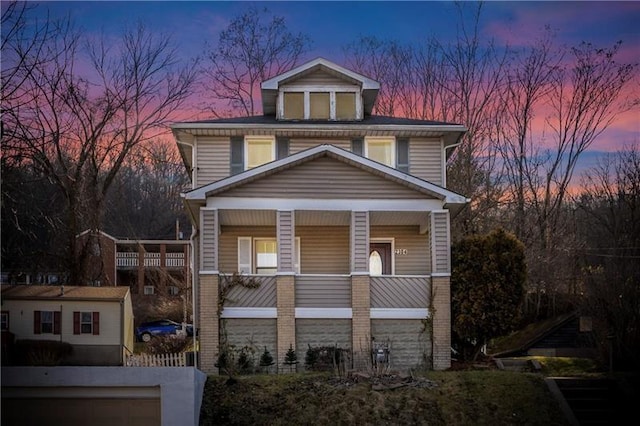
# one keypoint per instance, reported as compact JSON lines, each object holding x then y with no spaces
{"x":270,"y":87}
{"x":448,"y":197}
{"x":51,"y":292}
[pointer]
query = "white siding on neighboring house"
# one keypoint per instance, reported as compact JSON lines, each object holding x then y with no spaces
{"x":425,"y":158}
{"x":22,"y":319}
{"x":212,"y":159}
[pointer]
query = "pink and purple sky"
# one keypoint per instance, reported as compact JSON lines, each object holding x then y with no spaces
{"x":333,"y":24}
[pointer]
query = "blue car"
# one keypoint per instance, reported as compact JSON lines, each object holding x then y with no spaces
{"x":163,"y":327}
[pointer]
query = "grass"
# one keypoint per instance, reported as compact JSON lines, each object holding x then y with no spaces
{"x":461,"y":398}
{"x":563,"y":366}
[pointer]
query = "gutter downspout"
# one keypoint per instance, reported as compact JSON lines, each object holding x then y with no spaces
{"x":194,"y":293}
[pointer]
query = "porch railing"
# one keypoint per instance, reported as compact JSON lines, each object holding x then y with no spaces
{"x":400,"y":291}
{"x":126,"y":259}
{"x":160,"y":360}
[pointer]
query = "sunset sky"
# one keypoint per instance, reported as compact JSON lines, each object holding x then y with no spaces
{"x":331,"y":25}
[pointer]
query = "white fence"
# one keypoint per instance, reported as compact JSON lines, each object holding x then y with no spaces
{"x":162,"y":360}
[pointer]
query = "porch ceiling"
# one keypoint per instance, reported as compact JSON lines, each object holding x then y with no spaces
{"x":232,"y":217}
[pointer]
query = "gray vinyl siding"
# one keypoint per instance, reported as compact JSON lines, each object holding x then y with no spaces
{"x":261,"y":297}
{"x":324,"y":178}
{"x":417,"y":261}
{"x":425,"y":158}
{"x":321,"y":332}
{"x":297,"y":145}
{"x":324,"y":250}
{"x":286,"y":230}
{"x":212,"y":159}
{"x":440,"y":227}
{"x":360,"y":241}
{"x":209,"y":240}
{"x":228,"y":243}
{"x":318,"y":78}
{"x":253,"y":333}
{"x":323,"y":292}
{"x":400,"y":292}
{"x":409,"y":346}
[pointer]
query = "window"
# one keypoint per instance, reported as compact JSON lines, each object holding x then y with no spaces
{"x":345,"y":106}
{"x":266,"y":256}
{"x":173,"y":290}
{"x":294,"y":106}
{"x":259,"y":150}
{"x":381,"y":149}
{"x":86,"y":323}
{"x":319,"y":106}
{"x":4,"y":323}
{"x":149,"y":290}
{"x":46,"y":322}
{"x":260,"y":255}
{"x":331,"y":104}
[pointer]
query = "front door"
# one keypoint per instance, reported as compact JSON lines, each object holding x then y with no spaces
{"x":380,"y":259}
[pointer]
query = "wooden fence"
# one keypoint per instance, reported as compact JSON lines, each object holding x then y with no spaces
{"x":162,"y":360}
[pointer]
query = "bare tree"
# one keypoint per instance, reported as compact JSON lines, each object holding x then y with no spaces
{"x":250,"y":50}
{"x":609,"y":214}
{"x":78,"y":128}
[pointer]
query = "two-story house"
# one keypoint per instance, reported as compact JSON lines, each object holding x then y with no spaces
{"x":342,"y":216}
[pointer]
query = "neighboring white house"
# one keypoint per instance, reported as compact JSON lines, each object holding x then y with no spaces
{"x":96,"y":321}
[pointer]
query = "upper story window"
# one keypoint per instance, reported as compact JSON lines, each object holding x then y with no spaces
{"x":329,"y":104}
{"x":294,"y":105}
{"x":319,"y":106}
{"x":345,"y":106}
{"x":259,"y":150}
{"x":381,"y":149}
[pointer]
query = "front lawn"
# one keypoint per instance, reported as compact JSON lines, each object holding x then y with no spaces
{"x":460,"y":398}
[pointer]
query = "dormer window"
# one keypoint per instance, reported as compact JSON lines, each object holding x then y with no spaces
{"x":332,"y":104}
{"x":319,"y":107}
{"x":345,"y":106}
{"x":294,"y":105}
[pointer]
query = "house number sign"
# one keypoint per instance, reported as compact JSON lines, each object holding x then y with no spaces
{"x":401,"y":252}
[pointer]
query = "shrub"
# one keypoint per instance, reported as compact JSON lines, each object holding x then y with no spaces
{"x":170,"y":344}
{"x":41,"y":352}
{"x":326,"y":358}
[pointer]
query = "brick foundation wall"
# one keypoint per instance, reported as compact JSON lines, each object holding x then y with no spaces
{"x":286,"y":323}
{"x":361,"y":320}
{"x":208,"y":322}
{"x":441,"y":293}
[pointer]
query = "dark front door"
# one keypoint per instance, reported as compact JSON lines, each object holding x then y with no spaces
{"x":380,"y":258}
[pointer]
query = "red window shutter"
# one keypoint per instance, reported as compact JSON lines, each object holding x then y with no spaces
{"x":76,"y":323}
{"x":56,"y":322}
{"x":96,"y":323}
{"x":36,"y":322}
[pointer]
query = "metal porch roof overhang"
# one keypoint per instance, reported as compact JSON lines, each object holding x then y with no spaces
{"x":449,"y":198}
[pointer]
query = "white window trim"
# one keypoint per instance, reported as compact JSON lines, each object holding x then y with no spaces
{"x":248,"y":139}
{"x":146,"y":287}
{"x":393,"y":251}
{"x":391,"y":139}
